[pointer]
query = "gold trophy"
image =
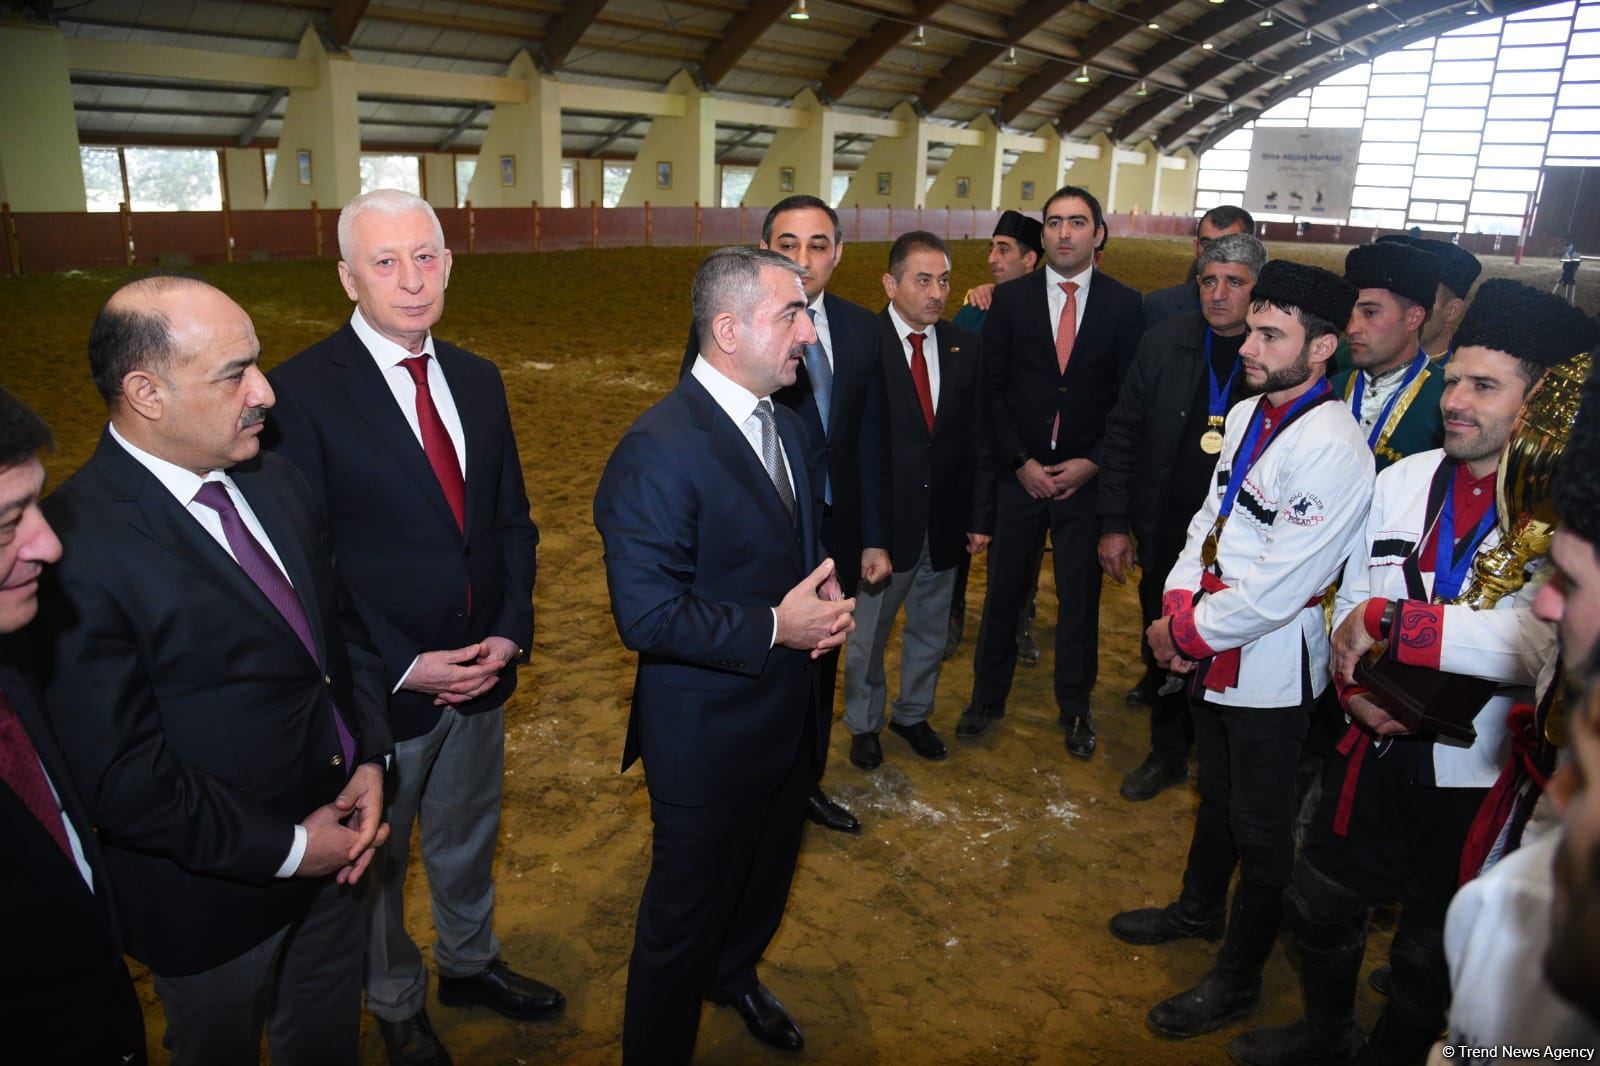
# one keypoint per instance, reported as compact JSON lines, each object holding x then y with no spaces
{"x":1437,"y":702}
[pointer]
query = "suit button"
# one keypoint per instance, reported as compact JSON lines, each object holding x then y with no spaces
{"x":467,"y":551}
{"x":327,"y":679}
{"x":337,"y":760}
{"x":1062,"y":388}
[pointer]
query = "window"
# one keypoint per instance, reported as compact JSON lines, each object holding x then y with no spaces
{"x":466,"y":166}
{"x":173,"y":179}
{"x":569,"y":184}
{"x":102,"y":178}
{"x":402,"y":172}
{"x":841,"y":184}
{"x":613,"y":178}
{"x":735,"y":180}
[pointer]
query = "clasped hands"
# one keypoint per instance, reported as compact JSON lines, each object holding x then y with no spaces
{"x":1164,"y":650}
{"x":1349,"y":643}
{"x":342,"y":836}
{"x":1056,"y":481}
{"x":814,"y":615}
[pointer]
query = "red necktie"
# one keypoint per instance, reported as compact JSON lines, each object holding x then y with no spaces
{"x":919,"y":377}
{"x":20,"y":769}
{"x":436,"y":443}
{"x":1066,"y":334}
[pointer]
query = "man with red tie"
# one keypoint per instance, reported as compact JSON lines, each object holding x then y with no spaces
{"x":407,"y":441}
{"x":64,"y":990}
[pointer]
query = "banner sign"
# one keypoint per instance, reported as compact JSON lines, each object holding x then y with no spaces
{"x":1306,"y":173}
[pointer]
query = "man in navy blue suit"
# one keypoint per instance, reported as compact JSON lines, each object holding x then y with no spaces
{"x":710,"y":518}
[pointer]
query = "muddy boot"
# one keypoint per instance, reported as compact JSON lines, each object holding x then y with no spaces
{"x":1329,"y":926}
{"x":1233,"y":987}
{"x":1419,"y":984}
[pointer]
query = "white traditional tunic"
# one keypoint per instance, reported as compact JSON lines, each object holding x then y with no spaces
{"x":1299,"y":509}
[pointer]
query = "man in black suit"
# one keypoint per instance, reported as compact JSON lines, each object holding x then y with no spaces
{"x":709,"y":515}
{"x":1056,"y":345}
{"x":407,"y":440}
{"x":839,"y":394}
{"x":64,"y":990}
{"x":215,"y":698}
{"x":931,"y":369}
{"x":1184,"y":299}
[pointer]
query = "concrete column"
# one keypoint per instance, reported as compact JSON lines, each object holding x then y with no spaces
{"x":1135,"y":185}
{"x":688,"y":148}
{"x":1175,"y":183}
{"x":323,"y":121}
{"x":802,"y":156}
{"x":530,"y":135}
{"x":40,"y":169}
{"x":904,"y":159}
{"x":439,"y":178}
{"x":1093,"y":167}
{"x":1035,"y":175}
{"x":246,"y":188}
{"x":980,"y":165}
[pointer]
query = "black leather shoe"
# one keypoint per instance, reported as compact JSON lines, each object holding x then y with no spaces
{"x":1080,"y":737}
{"x":1150,"y":778}
{"x":1159,"y":925}
{"x":1027,"y":647}
{"x":503,"y":989}
{"x":952,"y":640}
{"x":923,"y":740}
{"x":865,"y":751}
{"x":1150,"y":684}
{"x":975,"y":720}
{"x":411,"y":1042}
{"x":829,"y":815}
{"x":1216,"y":1001}
{"x":766,"y":1019}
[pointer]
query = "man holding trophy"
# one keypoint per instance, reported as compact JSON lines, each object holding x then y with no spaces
{"x":1399,"y":800}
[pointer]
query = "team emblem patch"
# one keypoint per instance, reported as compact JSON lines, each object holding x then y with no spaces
{"x":1305,"y":509}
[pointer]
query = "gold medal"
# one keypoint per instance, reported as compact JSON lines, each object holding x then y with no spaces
{"x":1211,"y":442}
{"x":1208,"y":547}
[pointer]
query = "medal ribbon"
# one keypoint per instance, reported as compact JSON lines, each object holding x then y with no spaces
{"x":1249,"y":451}
{"x":1418,"y":364}
{"x":1453,"y":558}
{"x":1219,"y":392}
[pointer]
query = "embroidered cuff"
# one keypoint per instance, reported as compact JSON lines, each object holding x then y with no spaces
{"x":1175,"y":601}
{"x":1372,"y":617}
{"x":1187,"y":638}
{"x":1347,"y":691}
{"x":1418,"y":634}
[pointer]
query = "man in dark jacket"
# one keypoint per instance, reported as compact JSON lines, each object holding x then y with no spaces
{"x":1184,"y":298}
{"x":1161,"y":445}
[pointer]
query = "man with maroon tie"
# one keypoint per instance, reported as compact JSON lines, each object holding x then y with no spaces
{"x":214,"y":695}
{"x":407,"y":442}
{"x":64,"y":990}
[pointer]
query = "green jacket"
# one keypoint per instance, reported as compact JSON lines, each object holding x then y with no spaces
{"x":1414,"y":425}
{"x":970,"y":318}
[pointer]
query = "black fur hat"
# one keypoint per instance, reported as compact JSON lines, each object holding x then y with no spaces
{"x":1525,"y":323}
{"x":1458,"y":268}
{"x":1577,"y":487}
{"x":1400,"y":268}
{"x":1285,"y":283}
{"x":1026,"y":231}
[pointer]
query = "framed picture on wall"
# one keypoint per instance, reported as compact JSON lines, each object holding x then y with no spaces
{"x":1027,"y":190}
{"x":302,"y":160}
{"x":508,"y":170}
{"x":663,"y":175}
{"x":786,"y":179}
{"x":963,"y":187}
{"x":883,"y":182}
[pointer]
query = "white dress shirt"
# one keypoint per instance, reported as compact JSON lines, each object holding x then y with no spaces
{"x":739,"y":404}
{"x":1375,"y":392}
{"x":184,"y":486}
{"x":1058,"y":297}
{"x":387,"y":354}
{"x":930,"y":350}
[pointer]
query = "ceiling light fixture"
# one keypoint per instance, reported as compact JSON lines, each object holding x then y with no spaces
{"x":920,"y":39}
{"x":1266,"y":21}
{"x":1207,"y":46}
{"x":1230,"y":108}
{"x":1153,"y":26}
{"x":800,"y":14}
{"x":1472,"y":8}
{"x":1372,"y":5}
{"x":1011,"y":56}
{"x":1083,"y":75}
{"x":1307,"y":40}
{"x":1189,"y":101}
{"x":1144,"y":89}
{"x":1341,"y":52}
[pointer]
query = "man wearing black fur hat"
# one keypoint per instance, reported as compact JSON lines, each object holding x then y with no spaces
{"x":1458,"y":269}
{"x":1397,"y":807}
{"x":1243,"y":613}
{"x":1391,"y":389}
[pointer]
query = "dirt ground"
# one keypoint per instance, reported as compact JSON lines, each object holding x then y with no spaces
{"x":966,"y":924}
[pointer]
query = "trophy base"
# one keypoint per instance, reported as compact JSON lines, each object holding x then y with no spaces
{"x":1423,"y":700}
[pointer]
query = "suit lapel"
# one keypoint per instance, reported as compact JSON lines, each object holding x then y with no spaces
{"x":952,"y":376}
{"x":474,"y":430}
{"x":732,"y":449}
{"x":794,"y":446}
{"x":897,"y":374}
{"x":362,"y":383}
{"x":271,"y":511}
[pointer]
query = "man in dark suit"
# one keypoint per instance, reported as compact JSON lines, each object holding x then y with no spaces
{"x":1184,"y":298}
{"x":407,"y":440}
{"x":215,"y":698}
{"x":1056,"y":345}
{"x":709,"y":515}
{"x":839,"y":394}
{"x":65,"y":996}
{"x":931,"y":369}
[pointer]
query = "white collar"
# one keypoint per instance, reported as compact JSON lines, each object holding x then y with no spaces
{"x":737,"y":401}
{"x":181,"y":482}
{"x":385,"y":351}
{"x":902,"y":328}
{"x":1054,"y":278}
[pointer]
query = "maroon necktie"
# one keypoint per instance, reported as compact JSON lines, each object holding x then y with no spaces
{"x":919,"y":377}
{"x":20,"y":769}
{"x":254,"y":560}
{"x":436,"y":443}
